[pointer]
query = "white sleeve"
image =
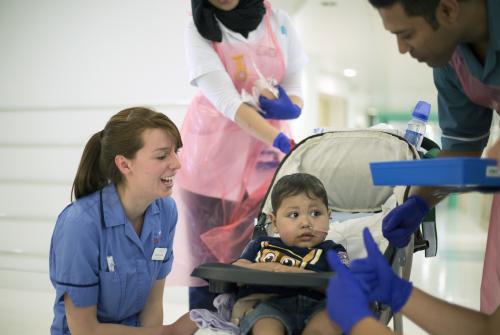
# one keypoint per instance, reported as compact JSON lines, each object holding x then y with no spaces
{"x":296,"y":56}
{"x":293,"y":52}
{"x":292,"y":83}
{"x":218,"y":88}
{"x":200,"y":55}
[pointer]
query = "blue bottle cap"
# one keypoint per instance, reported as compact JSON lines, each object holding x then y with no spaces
{"x":422,"y":110}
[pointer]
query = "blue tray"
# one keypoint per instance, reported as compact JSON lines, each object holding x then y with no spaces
{"x":457,"y":172}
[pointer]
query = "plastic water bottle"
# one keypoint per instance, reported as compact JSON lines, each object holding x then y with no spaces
{"x":415,"y":130}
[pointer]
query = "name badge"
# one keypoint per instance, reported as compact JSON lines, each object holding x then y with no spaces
{"x":111,"y":264}
{"x":159,"y":254}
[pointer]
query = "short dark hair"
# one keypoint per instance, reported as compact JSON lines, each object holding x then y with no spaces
{"x":424,"y":8}
{"x":298,"y":183}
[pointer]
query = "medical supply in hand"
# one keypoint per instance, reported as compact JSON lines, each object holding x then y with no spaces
{"x":346,"y":304}
{"x":262,"y":87}
{"x":415,"y":130}
{"x":402,"y":221}
{"x":377,"y":277}
{"x":281,"y":108}
{"x":283,"y":143}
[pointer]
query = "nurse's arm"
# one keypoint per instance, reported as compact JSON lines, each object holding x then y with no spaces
{"x":429,"y":193}
{"x":83,"y":321}
{"x":436,"y":316}
{"x":152,"y":313}
{"x":218,"y":87}
{"x":249,"y":119}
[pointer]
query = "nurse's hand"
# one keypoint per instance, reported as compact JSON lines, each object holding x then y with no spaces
{"x":378,"y":280}
{"x":346,"y":302}
{"x":403,"y":220}
{"x":283,"y":143}
{"x":183,"y":326}
{"x":281,"y":108}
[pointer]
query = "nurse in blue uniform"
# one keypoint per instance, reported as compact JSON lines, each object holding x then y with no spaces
{"x":112,"y":247}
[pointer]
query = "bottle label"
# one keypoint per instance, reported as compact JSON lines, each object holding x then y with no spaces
{"x":412,"y":137}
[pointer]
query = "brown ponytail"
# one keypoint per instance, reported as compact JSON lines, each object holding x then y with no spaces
{"x":88,"y":176}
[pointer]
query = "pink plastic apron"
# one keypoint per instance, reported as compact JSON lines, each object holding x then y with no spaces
{"x":222,"y":161}
{"x":489,"y":97}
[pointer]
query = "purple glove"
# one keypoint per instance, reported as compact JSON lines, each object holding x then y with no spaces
{"x":377,"y":278}
{"x":403,"y":220}
{"x":283,"y":143}
{"x":279,"y":109}
{"x":346,"y":302}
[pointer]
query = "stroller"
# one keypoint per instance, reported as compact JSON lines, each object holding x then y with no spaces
{"x":340,"y":159}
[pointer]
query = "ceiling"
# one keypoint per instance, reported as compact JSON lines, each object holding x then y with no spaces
{"x":339,"y":34}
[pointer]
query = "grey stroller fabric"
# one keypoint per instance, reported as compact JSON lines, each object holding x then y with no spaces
{"x":341,"y":161}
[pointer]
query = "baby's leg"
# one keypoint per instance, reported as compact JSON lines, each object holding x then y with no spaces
{"x":320,"y":324}
{"x":267,"y":326}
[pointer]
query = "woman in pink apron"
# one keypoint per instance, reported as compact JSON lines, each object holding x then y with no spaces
{"x":231,"y":151}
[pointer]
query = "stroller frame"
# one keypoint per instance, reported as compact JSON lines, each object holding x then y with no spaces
{"x":226,"y":277}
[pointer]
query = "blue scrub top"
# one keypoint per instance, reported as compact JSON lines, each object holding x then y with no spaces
{"x":465,"y":124}
{"x":83,"y":244}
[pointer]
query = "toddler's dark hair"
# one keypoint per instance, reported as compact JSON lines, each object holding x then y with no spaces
{"x":297,"y":183}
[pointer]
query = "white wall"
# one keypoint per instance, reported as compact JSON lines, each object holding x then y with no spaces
{"x":92,"y":53}
{"x":65,"y":68}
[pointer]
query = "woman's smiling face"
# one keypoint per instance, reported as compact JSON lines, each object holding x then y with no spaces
{"x":154,"y":166}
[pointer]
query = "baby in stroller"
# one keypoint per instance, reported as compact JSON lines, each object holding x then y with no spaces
{"x":340,"y":160}
{"x":301,"y":218}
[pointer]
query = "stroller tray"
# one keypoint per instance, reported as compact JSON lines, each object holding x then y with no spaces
{"x":227,"y":274}
{"x":459,"y":172}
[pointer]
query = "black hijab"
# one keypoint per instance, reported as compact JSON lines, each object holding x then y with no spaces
{"x":243,"y":19}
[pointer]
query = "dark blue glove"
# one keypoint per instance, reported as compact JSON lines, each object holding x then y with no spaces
{"x":377,"y":278}
{"x":279,"y":109}
{"x":283,"y":143}
{"x":403,"y":220}
{"x":346,"y":302}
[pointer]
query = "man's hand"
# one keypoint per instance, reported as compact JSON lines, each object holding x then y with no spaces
{"x":403,"y":220}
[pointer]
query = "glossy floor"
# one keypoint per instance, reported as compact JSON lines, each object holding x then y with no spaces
{"x":26,"y":297}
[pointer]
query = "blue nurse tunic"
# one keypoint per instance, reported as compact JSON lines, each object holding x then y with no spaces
{"x":97,"y":258}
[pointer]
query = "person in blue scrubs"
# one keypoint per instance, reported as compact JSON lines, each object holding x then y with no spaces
{"x":112,"y":247}
{"x":460,"y":40}
{"x":372,"y":279}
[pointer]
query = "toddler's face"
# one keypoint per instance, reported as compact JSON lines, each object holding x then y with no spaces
{"x":301,"y":221}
